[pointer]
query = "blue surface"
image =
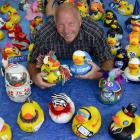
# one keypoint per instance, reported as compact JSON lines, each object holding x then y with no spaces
{"x":82,"y":92}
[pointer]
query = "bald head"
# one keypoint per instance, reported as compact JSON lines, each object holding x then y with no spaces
{"x":68,"y":21}
{"x":68,"y":9}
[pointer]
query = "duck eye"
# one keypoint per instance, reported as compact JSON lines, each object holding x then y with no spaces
{"x":125,"y":123}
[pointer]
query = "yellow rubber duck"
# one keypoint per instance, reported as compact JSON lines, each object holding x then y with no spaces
{"x":126,"y":124}
{"x":133,"y":49}
{"x":96,"y":10}
{"x":5,"y":8}
{"x":51,"y":68}
{"x":5,"y":130}
{"x":83,"y":8}
{"x":113,"y":42}
{"x":78,"y":57}
{"x":132,"y":72}
{"x":1,"y":35}
{"x":15,"y":18}
{"x":8,"y":9}
{"x":11,"y":50}
{"x":31,"y":116}
{"x":30,"y":48}
{"x":36,"y":22}
{"x":124,"y":8}
{"x":86,"y":122}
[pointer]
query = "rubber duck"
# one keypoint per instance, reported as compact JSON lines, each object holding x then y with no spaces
{"x":117,"y":27}
{"x":86,"y":122}
{"x":33,"y":11}
{"x":110,"y":87}
{"x":23,"y":5}
{"x":133,"y":49}
{"x":114,"y":4}
{"x":36,"y":24}
{"x":109,"y":18}
{"x":30,"y":48}
{"x":83,"y":8}
{"x":80,"y":65}
{"x":5,"y":130}
{"x":11,"y":50}
{"x":30,"y":117}
{"x":114,"y":40}
{"x":96,"y":11}
{"x":51,"y":69}
{"x":121,"y":59}
{"x":61,"y":108}
{"x":134,"y":17}
{"x":124,"y":8}
{"x":7,"y":9}
{"x":17,"y":82}
{"x":1,"y":35}
{"x":132,"y":72}
{"x":15,"y":18}
{"x":125,"y":124}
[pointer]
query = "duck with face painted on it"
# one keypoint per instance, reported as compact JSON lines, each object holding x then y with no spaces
{"x":125,"y":124}
{"x":61,"y":108}
{"x":86,"y":122}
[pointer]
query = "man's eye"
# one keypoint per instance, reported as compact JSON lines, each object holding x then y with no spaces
{"x":60,"y":26}
{"x":71,"y":24}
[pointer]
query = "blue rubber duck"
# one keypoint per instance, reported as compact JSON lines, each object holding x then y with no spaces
{"x":80,"y":65}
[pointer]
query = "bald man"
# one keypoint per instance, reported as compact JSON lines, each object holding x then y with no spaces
{"x":65,"y":32}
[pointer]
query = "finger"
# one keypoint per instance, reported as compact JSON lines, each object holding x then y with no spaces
{"x":82,"y":76}
{"x":48,"y":85}
{"x":93,"y":64}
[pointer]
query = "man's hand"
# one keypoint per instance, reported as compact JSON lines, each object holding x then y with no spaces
{"x":36,"y":77}
{"x":93,"y":73}
{"x":50,"y":8}
{"x":38,"y":80}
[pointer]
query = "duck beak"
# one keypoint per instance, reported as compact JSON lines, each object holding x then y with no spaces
{"x":116,"y":119}
{"x":80,"y":118}
{"x":56,"y":64}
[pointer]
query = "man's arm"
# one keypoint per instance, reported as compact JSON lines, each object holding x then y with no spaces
{"x":108,"y":64}
{"x":50,"y":8}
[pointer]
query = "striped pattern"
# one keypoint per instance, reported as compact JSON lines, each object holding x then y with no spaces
{"x":59,"y":99}
{"x":91,"y":39}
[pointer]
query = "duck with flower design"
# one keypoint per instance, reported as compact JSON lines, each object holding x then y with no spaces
{"x":52,"y":70}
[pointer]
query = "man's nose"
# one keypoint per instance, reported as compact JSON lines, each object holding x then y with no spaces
{"x":66,"y":29}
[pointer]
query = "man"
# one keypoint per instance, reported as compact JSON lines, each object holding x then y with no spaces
{"x":66,"y":33}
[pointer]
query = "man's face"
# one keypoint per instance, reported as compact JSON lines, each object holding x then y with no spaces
{"x":68,"y":25}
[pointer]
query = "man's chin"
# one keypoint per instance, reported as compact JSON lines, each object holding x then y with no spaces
{"x":69,"y":40}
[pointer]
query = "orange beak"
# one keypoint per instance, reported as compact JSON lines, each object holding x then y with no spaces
{"x":59,"y":108}
{"x":56,"y":64}
{"x":28,"y":116}
{"x":80,"y":118}
{"x":116,"y":119}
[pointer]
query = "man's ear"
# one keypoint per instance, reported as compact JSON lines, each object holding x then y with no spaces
{"x":80,"y":20}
